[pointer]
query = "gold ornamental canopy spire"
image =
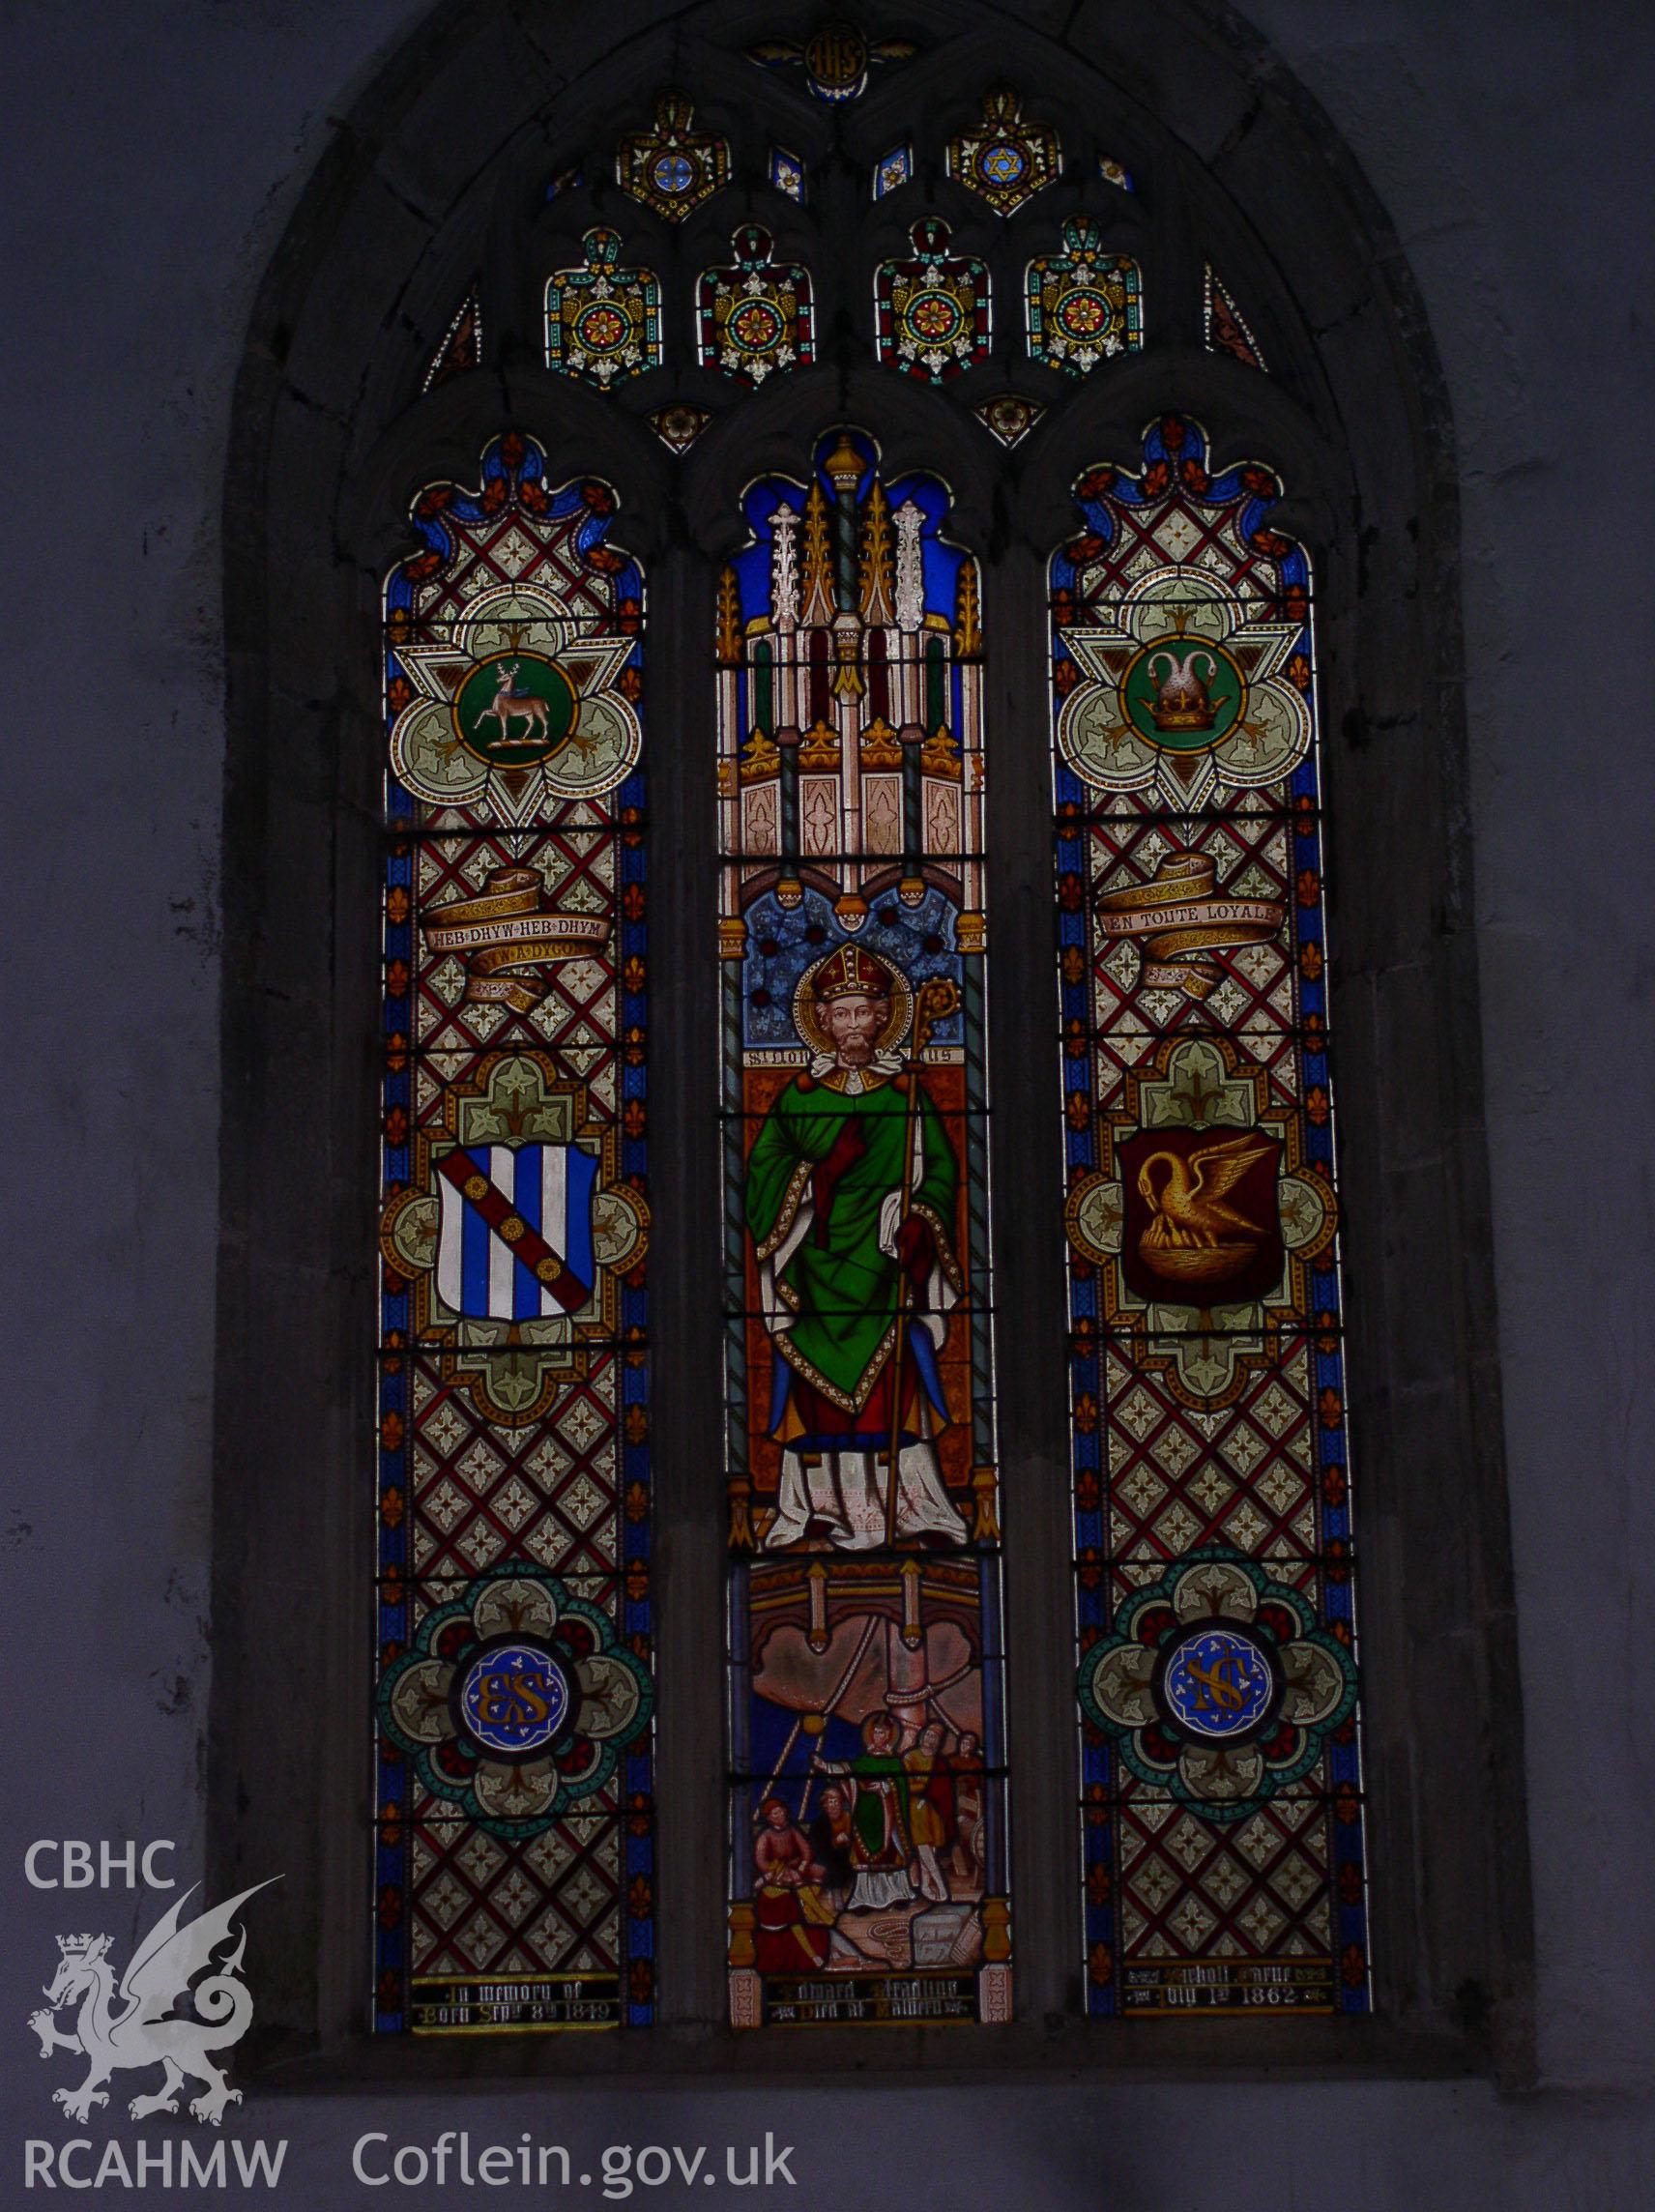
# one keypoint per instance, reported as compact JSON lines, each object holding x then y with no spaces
{"x":844,"y":467}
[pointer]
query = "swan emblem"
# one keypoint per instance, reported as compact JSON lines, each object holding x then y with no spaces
{"x":1183,"y":701}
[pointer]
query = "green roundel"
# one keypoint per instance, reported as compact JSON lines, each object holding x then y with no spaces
{"x":514,"y":709}
{"x":1183,"y":694}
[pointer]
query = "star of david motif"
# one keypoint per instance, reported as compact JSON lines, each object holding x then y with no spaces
{"x":1006,"y":161}
{"x":1187,"y":691}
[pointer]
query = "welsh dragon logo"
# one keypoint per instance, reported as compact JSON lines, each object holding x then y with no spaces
{"x":137,"y":2025}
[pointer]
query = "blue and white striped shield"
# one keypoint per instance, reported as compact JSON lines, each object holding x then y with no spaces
{"x":514,"y":1236}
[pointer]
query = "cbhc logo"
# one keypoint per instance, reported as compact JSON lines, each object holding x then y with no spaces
{"x":84,"y":1865}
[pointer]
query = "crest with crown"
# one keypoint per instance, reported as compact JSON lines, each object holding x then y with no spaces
{"x":87,"y":1948}
{"x":851,"y":972}
{"x":1182,"y":699}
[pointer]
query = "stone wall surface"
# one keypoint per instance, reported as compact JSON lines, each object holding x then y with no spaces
{"x":152,"y":156}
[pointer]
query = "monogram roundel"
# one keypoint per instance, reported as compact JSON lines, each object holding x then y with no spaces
{"x":836,"y":62}
{"x":1218,"y":1683}
{"x":515,"y":1699}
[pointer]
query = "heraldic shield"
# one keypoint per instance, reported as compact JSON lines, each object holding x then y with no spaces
{"x":514,"y":1230}
{"x":513,"y":1233}
{"x":1202,"y":1225}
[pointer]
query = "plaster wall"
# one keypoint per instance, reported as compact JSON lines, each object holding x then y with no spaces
{"x":152,"y":156}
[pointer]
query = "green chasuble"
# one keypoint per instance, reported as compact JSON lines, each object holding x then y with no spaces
{"x":876,"y":1773}
{"x":840,"y":1288}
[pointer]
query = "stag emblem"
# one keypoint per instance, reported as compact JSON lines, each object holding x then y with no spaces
{"x":137,"y":2026}
{"x":510,"y":705}
{"x":1183,"y":701}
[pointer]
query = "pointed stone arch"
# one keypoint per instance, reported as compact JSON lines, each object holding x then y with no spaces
{"x":439,"y":174}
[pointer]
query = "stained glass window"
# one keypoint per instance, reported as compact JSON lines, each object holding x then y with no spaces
{"x":867,"y":1838}
{"x":787,"y":174}
{"x":1081,"y":305}
{"x":677,"y":428}
{"x":835,"y":59}
{"x":463,"y":343}
{"x":755,"y":317}
{"x":1222,"y":1805}
{"x":1008,"y":416}
{"x":893,"y":169}
{"x":864,"y":1780}
{"x":514,"y":1812}
{"x":1006,"y":160}
{"x":672,"y":169}
{"x":1224,"y":326}
{"x":603,"y":322}
{"x":932,"y":308}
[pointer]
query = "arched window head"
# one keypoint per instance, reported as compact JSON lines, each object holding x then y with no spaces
{"x":740,"y":1507}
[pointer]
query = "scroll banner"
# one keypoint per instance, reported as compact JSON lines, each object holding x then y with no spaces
{"x":1179,"y":921}
{"x":509,"y":931}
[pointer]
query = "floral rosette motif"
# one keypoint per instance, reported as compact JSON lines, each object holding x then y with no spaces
{"x":932,"y":310}
{"x":1216,"y":1683}
{"x":516,"y":1700}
